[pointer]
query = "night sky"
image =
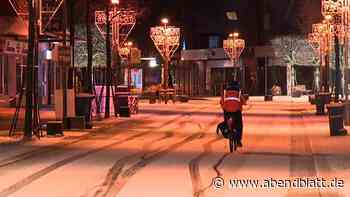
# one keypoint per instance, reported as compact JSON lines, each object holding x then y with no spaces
{"x":198,"y":17}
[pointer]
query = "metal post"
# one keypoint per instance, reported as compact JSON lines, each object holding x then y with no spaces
{"x":266,"y":62}
{"x":64,"y":67}
{"x":243,"y":78}
{"x":337,"y":69}
{"x":235,"y":74}
{"x":28,"y":126}
{"x":89,"y":48}
{"x":165,"y":73}
{"x":49,"y":82}
{"x":346,"y":64}
{"x":166,"y":62}
{"x":72,"y":43}
{"x":321,"y":71}
{"x":346,"y":78}
{"x":108,"y":50}
{"x":129,"y":69}
{"x":326,"y":74}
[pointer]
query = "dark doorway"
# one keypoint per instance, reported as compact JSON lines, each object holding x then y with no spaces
{"x":218,"y":77}
{"x":278,"y":76}
{"x":260,"y":91}
{"x":304,"y":75}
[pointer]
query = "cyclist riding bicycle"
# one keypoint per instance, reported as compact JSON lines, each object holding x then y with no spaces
{"x":231,"y":103}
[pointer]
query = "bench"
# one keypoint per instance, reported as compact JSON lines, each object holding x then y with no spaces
{"x":167,"y":94}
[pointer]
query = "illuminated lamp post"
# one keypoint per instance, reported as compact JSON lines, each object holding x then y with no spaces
{"x":346,"y":24}
{"x":166,"y":39}
{"x":234,"y":47}
{"x":333,"y":11}
{"x":118,"y":24}
{"x":109,"y":57}
{"x":320,"y":41}
{"x":336,"y":12}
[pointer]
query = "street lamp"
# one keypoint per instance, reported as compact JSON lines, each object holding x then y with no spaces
{"x":166,"y":39}
{"x":335,"y":13}
{"x":165,"y":21}
{"x":320,"y":41}
{"x":115,"y":23}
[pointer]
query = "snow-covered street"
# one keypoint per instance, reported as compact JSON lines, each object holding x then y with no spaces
{"x":173,"y":150}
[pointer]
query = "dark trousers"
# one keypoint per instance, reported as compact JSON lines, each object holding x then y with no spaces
{"x":237,"y":117}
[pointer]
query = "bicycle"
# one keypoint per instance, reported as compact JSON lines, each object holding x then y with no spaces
{"x":232,"y":134}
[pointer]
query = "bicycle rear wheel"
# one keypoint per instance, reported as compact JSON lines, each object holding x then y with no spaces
{"x":232,"y":143}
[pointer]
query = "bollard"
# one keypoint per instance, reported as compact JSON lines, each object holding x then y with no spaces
{"x":321,"y":99}
{"x":347,"y":113}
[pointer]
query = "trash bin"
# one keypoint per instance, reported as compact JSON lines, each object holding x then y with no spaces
{"x":123,"y":106}
{"x":121,"y":103}
{"x":83,"y":107}
{"x":321,"y":99}
{"x":336,"y":121}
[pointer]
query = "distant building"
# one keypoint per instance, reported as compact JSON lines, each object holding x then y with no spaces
{"x":13,"y":55}
{"x":258,"y":22}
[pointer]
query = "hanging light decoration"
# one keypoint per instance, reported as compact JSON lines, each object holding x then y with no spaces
{"x":234,"y":47}
{"x":335,"y":12}
{"x":331,"y":7}
{"x":321,"y":33}
{"x":314,"y":40}
{"x":122,"y":22}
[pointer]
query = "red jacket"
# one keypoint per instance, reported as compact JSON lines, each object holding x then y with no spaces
{"x":231,"y":101}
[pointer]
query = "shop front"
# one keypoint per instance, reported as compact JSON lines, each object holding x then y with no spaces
{"x":12,"y":65}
